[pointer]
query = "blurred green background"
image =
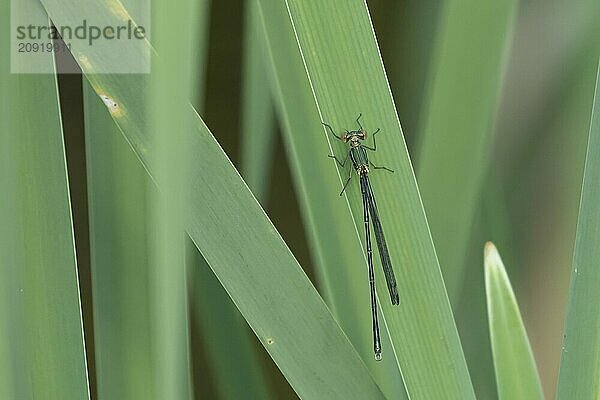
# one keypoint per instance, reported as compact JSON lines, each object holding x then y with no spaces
{"x":526,"y":199}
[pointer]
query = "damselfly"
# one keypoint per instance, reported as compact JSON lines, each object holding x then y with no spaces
{"x":357,"y":153}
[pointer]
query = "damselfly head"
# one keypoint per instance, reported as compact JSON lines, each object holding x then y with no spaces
{"x":354,"y":136}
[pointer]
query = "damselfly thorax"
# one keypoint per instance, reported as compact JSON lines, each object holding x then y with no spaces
{"x":359,"y":159}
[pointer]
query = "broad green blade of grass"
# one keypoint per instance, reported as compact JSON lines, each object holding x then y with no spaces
{"x":117,"y":187}
{"x":457,"y":123}
{"x":7,"y":366}
{"x":258,"y":129}
{"x":42,"y":335}
{"x":580,"y":363}
{"x":237,"y":371}
{"x":516,"y":373}
{"x":171,"y":78}
{"x":342,"y":274}
{"x":7,"y":379}
{"x":236,"y":238}
{"x":346,"y":73}
{"x":7,"y":389}
{"x":235,"y":368}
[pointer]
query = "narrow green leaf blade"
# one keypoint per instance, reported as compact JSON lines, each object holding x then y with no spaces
{"x":516,"y":373}
{"x":230,"y":349}
{"x":117,"y":187}
{"x":169,"y":127}
{"x":341,"y":273}
{"x":457,"y":123}
{"x":42,"y":335}
{"x":233,"y":233}
{"x":346,"y":73}
{"x":258,"y":128}
{"x":580,"y":363}
{"x":236,"y":368}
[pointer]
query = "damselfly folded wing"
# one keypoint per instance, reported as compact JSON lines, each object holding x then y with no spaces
{"x":384,"y":255}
